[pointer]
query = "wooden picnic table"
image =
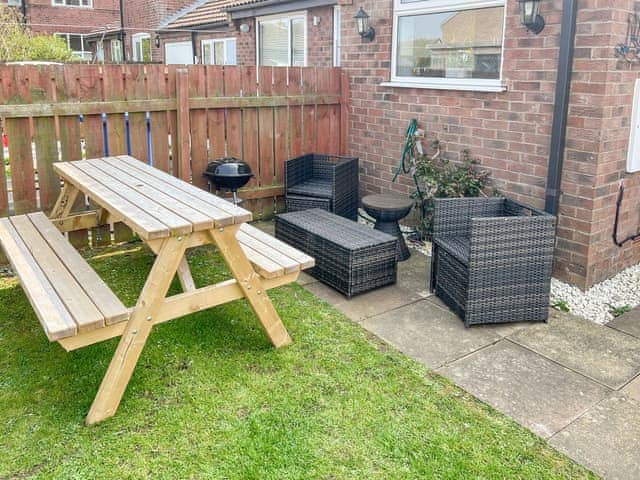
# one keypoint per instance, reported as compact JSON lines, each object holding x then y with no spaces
{"x":170,"y":216}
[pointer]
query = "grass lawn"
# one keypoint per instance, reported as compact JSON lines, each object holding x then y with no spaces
{"x":211,"y":398}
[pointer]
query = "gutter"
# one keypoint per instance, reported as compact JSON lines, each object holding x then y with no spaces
{"x":561,"y":106}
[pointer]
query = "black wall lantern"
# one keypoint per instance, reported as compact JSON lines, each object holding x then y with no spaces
{"x":530,"y":15}
{"x":157,"y":40}
{"x":362,"y":23}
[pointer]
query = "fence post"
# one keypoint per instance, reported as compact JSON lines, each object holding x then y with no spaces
{"x":344,"y":113}
{"x":182,"y":165}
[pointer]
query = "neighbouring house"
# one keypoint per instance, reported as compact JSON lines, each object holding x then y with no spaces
{"x":73,"y":20}
{"x":250,"y":32}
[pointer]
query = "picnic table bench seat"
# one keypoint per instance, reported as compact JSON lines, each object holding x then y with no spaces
{"x":70,"y":298}
{"x":65,"y":292}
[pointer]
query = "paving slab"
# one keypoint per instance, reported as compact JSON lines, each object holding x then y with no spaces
{"x":366,"y":304}
{"x":605,"y":439}
{"x":538,"y":393}
{"x":306,"y":279}
{"x":502,"y":329}
{"x":628,"y":322}
{"x":632,"y":389}
{"x":428,"y":333}
{"x":598,"y":352}
{"x":413,"y":274}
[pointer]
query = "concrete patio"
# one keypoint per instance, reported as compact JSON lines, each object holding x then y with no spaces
{"x":574,"y":383}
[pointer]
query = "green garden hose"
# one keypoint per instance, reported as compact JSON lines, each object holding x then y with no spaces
{"x":406,"y":161}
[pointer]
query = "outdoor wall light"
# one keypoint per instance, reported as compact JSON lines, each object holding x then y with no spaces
{"x":244,"y":28}
{"x":530,"y":15}
{"x":157,"y":40}
{"x":362,"y":23}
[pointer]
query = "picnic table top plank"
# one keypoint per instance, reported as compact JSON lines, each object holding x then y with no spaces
{"x":176,"y":224}
{"x":154,"y":193}
{"x":82,"y":309}
{"x":239,"y":214}
{"x":52,"y":314}
{"x":133,"y":216}
{"x":104,"y":299}
{"x":219,"y":217}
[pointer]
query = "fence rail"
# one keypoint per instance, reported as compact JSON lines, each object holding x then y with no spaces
{"x":175,"y":118}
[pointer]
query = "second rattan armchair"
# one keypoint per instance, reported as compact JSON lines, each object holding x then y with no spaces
{"x":492,"y":259}
{"x":322,"y":181}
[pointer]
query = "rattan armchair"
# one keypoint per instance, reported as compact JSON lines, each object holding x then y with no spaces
{"x":492,"y":259}
{"x":322,"y":181}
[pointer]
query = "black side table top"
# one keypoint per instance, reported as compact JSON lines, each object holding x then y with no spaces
{"x":387,"y":201}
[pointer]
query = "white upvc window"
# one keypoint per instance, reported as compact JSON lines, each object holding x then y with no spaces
{"x":77,"y":44}
{"x":116,"y":51}
{"x":448,"y":44}
{"x":219,"y":51}
{"x":141,"y":47}
{"x":73,"y":3}
{"x":282,"y":40}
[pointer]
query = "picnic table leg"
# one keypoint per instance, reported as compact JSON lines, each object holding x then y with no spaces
{"x":65,"y":201}
{"x":251,"y":285}
{"x":137,"y":330}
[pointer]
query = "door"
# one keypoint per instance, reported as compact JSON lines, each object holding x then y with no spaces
{"x":180,"y":53}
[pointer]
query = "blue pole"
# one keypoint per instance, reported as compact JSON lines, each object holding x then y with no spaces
{"x":105,"y":135}
{"x":149,"y":143}
{"x":127,"y":132}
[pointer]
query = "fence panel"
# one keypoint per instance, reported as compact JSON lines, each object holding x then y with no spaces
{"x":175,"y":118}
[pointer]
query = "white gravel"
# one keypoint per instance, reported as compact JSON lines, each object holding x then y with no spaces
{"x":596,"y":303}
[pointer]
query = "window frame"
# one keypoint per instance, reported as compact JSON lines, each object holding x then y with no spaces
{"x":63,"y":3}
{"x":212,"y":42}
{"x":423,"y":7}
{"x":139,"y":37}
{"x":112,"y":44}
{"x":84,"y":54}
{"x":290,"y":16}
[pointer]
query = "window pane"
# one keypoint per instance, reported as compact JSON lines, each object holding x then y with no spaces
{"x":462,"y":44}
{"x":75,"y":43}
{"x":231,"y":52}
{"x":146,"y":49}
{"x":116,"y":51}
{"x":274,"y":43}
{"x":297,"y":42}
{"x":206,"y":53}
{"x":218,"y":56}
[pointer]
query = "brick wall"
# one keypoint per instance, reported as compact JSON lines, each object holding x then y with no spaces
{"x":47,"y":18}
{"x":510,"y":132}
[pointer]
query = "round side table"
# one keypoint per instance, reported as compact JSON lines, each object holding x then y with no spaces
{"x":387,"y":209}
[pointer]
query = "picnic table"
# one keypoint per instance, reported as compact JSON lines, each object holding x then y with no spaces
{"x":74,"y":305}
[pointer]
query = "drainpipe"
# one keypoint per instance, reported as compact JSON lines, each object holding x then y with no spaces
{"x":194,"y":44}
{"x":122,"y":32}
{"x":561,"y":106}
{"x":24,"y":11}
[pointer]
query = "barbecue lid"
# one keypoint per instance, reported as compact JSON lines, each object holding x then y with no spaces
{"x":228,"y":167}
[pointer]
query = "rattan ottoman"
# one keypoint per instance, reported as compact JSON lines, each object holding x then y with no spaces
{"x":350,"y":257}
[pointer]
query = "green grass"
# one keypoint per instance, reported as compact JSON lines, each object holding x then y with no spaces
{"x":211,"y":398}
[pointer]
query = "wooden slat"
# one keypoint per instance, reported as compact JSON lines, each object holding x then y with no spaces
{"x":112,"y":309}
{"x":177,"y":225}
{"x":239,"y":214}
{"x":202,"y":205}
{"x":302,"y":258}
{"x":287,"y":264}
{"x":199,"y":220}
{"x":266,"y":267}
{"x":53,"y":316}
{"x":144,"y":224}
{"x":78,"y":304}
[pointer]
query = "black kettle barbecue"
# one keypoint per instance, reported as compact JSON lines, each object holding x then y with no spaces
{"x":228,"y":173}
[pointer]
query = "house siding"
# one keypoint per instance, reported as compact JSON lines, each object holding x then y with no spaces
{"x":510,"y":132}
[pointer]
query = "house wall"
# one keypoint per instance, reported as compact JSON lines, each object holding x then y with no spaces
{"x":319,"y":39}
{"x":509,"y":132}
{"x":47,"y":18}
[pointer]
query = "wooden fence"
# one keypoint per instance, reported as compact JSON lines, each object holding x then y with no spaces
{"x":176,"y":118}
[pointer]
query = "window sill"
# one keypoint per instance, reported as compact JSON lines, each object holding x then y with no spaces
{"x":466,"y":86}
